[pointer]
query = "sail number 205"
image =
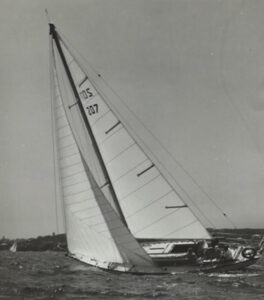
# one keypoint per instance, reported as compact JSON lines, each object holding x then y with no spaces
{"x":86,"y":93}
{"x":92,"y":109}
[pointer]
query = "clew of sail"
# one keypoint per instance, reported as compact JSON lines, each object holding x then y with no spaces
{"x":95,"y":232}
{"x":151,"y":207}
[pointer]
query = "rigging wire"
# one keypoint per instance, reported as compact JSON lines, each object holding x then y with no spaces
{"x":232,"y":103}
{"x":52,"y":92}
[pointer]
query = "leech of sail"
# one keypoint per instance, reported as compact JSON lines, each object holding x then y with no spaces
{"x":86,"y":121}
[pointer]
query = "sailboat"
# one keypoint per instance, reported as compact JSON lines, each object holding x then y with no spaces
{"x":121,"y":212}
{"x":13,"y":248}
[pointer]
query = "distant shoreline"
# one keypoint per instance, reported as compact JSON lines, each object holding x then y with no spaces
{"x":59,"y":243}
{"x":42,"y":243}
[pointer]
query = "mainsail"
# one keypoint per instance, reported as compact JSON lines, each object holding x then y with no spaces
{"x":95,"y":231}
{"x":149,"y":204}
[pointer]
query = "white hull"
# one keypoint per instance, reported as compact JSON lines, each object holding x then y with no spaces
{"x":174,"y":267}
{"x":171,"y":257}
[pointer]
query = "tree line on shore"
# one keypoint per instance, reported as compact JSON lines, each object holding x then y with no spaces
{"x":42,"y":243}
{"x":58,"y":242}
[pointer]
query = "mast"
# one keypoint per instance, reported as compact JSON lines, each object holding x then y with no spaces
{"x":54,"y":35}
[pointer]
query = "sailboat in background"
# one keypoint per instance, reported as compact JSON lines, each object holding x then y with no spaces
{"x":121,"y":212}
{"x":13,"y":248}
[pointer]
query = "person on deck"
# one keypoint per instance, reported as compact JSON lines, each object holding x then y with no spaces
{"x":214,"y":243}
{"x":227,"y":254}
{"x":191,"y":255}
{"x":201,"y":248}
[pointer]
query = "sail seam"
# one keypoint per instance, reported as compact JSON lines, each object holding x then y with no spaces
{"x":71,"y":165}
{"x":67,"y":176}
{"x":137,"y":189}
{"x":109,"y":136}
{"x":59,"y":113}
{"x":69,"y":185}
{"x":60,"y":117}
{"x":95,"y":216}
{"x":105,"y":113}
{"x":63,"y":147}
{"x":62,"y":127}
{"x":56,"y":96}
{"x":130,"y":170}
{"x":73,"y":193}
{"x":78,"y":202}
{"x":117,"y":155}
{"x":154,"y":201}
{"x":64,"y":136}
{"x":181,"y":228}
{"x":58,"y":106}
{"x":68,"y":156}
{"x":85,"y":209}
{"x":90,"y":228}
{"x":93,"y":206}
{"x":157,"y":220}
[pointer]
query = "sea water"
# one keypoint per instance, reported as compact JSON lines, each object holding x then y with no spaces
{"x":52,"y":275}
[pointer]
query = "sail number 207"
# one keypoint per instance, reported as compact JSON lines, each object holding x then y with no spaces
{"x":92,"y":109}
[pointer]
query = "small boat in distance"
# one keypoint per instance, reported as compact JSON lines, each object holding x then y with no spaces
{"x":13,"y":248}
{"x":121,"y":211}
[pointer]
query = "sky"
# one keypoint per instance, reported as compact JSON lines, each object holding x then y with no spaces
{"x":191,"y":71}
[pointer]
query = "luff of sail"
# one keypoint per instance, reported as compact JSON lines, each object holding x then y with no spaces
{"x":152,"y":208}
{"x":95,"y":232}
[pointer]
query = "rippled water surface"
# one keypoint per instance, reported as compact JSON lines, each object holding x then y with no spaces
{"x":52,"y":275}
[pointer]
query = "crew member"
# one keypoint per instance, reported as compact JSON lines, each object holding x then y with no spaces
{"x":227,"y":254}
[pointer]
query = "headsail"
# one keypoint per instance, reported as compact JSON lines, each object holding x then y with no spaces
{"x":95,"y":232}
{"x":151,"y":207}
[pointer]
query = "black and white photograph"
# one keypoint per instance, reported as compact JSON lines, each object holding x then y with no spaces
{"x":132,"y":149}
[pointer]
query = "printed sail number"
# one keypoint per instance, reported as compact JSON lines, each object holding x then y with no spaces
{"x":87,"y":94}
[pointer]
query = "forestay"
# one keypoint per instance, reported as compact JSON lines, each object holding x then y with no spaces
{"x":95,"y":233}
{"x":152,"y":208}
